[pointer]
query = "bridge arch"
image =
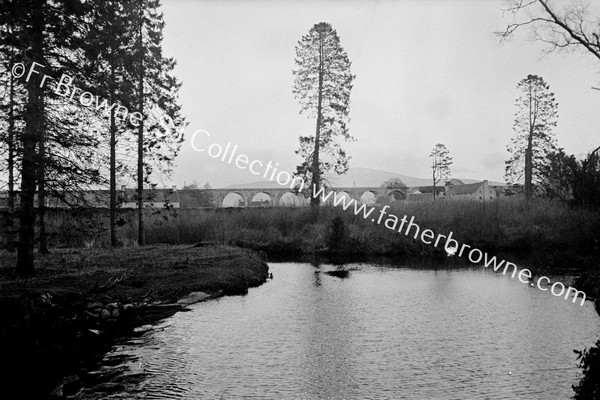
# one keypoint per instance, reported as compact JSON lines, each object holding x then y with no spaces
{"x":369,"y":197}
{"x":290,"y":199}
{"x":242,"y":197}
{"x":397,"y":194}
{"x":338,"y":194}
{"x":261,"y":199}
{"x":233,"y":199}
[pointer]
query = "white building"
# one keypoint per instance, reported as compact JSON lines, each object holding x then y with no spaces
{"x":480,"y":191}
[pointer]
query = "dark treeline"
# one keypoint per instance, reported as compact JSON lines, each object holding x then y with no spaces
{"x":574,"y":181}
{"x":86,"y":93}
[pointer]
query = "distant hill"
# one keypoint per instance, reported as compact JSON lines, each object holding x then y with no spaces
{"x":359,"y":177}
{"x":362,"y":177}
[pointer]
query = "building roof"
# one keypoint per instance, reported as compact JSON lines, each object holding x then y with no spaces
{"x":429,"y":189}
{"x":463,"y":189}
{"x":455,"y":181}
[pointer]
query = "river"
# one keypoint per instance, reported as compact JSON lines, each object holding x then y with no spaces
{"x":382,"y":332}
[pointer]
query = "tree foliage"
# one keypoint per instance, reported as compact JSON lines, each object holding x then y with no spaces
{"x":107,"y":55}
{"x":163,"y":120}
{"x":44,"y":34}
{"x":589,"y":362}
{"x":12,"y":100}
{"x":59,"y":147}
{"x":586,"y":184}
{"x":400,"y":190}
{"x":573,"y":181}
{"x":533,"y":142}
{"x":322,"y":85}
{"x":394,"y":183}
{"x":557,"y":176}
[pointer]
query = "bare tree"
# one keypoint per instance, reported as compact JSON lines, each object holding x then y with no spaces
{"x":440,"y":165}
{"x":560,"y":25}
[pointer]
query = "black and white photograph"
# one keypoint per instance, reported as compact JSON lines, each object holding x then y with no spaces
{"x":300,"y":199}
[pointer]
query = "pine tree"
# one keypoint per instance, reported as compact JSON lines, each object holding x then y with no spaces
{"x":108,"y":50}
{"x":53,"y":153}
{"x":33,"y":22}
{"x":535,"y":119}
{"x":322,"y":85}
{"x":60,"y":149}
{"x":12,"y":95}
{"x":159,"y":134}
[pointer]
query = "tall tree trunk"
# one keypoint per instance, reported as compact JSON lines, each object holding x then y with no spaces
{"x":316,"y":172}
{"x":140,"y":164}
{"x":43,"y":246}
{"x":529,"y":165}
{"x":28,"y":183}
{"x":113,"y":163}
{"x":433,"y":176}
{"x":33,"y":129}
{"x":11,"y":165}
{"x":529,"y":149}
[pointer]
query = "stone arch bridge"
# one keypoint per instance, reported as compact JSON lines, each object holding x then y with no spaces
{"x":268,"y":197}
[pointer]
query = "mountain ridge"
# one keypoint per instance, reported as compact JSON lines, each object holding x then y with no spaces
{"x":357,"y":177}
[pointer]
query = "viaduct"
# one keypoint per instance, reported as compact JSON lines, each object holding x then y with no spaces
{"x":285,"y":196}
{"x":210,"y":198}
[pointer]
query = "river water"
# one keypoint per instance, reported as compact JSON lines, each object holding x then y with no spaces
{"x":382,"y":332}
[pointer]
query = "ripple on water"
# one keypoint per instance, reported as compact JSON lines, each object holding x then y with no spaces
{"x":377,"y":333}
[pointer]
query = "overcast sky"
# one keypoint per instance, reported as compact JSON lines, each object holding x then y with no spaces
{"x":427,"y":72}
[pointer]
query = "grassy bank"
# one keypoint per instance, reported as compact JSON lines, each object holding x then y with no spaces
{"x":62,"y":321}
{"x":509,"y":224}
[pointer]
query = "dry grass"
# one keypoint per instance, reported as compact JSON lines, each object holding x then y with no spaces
{"x":506,"y":224}
{"x":158,"y":272}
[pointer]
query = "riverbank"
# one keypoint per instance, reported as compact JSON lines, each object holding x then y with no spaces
{"x":546,"y":234}
{"x":62,"y":321}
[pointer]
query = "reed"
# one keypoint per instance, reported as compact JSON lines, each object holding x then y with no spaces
{"x":505,"y":224}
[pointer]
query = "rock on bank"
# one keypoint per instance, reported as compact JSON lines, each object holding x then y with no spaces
{"x":63,"y":320}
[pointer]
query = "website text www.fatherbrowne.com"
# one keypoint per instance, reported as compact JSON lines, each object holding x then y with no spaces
{"x":403,"y":225}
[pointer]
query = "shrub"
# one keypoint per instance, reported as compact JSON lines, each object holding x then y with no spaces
{"x":588,"y":387}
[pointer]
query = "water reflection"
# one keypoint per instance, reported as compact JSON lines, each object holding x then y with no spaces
{"x":339,"y":273}
{"x":382,"y":333}
{"x":317,"y":266}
